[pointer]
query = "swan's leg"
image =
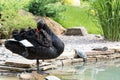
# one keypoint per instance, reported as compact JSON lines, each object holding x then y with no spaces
{"x":39,"y":71}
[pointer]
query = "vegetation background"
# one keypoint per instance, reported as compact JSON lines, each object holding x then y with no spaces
{"x":13,"y":15}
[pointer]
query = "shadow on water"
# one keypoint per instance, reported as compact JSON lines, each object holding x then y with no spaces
{"x":105,"y":70}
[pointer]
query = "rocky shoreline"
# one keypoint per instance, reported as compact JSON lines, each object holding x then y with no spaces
{"x":87,"y":43}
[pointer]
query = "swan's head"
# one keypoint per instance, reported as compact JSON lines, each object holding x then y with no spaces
{"x":40,"y":24}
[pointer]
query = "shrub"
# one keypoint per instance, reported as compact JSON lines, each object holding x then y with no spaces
{"x":11,"y":19}
{"x":107,"y":13}
{"x":48,"y":8}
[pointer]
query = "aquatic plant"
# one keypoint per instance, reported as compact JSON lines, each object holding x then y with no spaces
{"x":107,"y":13}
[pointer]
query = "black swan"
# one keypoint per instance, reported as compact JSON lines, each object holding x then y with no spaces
{"x":45,"y":44}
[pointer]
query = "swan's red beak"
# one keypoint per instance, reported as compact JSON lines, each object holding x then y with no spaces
{"x":37,"y":30}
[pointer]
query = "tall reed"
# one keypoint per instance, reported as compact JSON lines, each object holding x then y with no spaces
{"x":108,"y":15}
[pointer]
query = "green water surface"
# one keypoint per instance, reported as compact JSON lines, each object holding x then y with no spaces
{"x":104,"y":70}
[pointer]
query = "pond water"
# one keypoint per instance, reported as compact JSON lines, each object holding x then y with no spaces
{"x":8,"y":78}
{"x":104,"y":70}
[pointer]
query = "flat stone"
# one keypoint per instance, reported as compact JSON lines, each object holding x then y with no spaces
{"x":90,"y":53}
{"x":101,"y":57}
{"x":31,"y":76}
{"x":77,"y":31}
{"x":91,"y":59}
{"x":20,"y":63}
{"x":77,"y":60}
{"x":115,"y":55}
{"x":66,"y":62}
{"x":117,"y":50}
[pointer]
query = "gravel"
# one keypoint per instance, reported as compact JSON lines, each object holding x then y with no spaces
{"x":88,"y":42}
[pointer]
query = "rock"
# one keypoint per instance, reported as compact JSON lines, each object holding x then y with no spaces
{"x":1,"y":41}
{"x":21,"y":63}
{"x":51,"y":78}
{"x":91,"y":59}
{"x":38,"y":76}
{"x":25,"y":13}
{"x":25,"y":76}
{"x":101,"y":57}
{"x":77,"y":60}
{"x":94,"y":53}
{"x":114,"y":55}
{"x":31,"y":76}
{"x":48,"y":67}
{"x":54,"y":26}
{"x":12,"y":69}
{"x":101,"y":49}
{"x":77,"y":31}
{"x":98,"y":36}
{"x":66,"y":62}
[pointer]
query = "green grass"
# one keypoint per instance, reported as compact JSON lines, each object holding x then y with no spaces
{"x":78,"y":16}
